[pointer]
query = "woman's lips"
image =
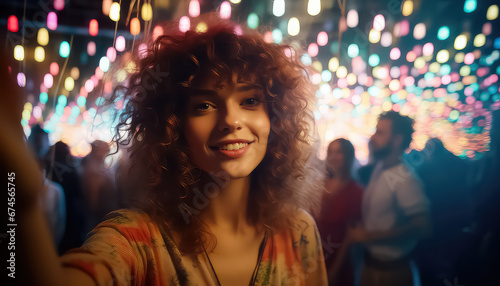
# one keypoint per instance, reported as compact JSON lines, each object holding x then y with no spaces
{"x":232,"y":153}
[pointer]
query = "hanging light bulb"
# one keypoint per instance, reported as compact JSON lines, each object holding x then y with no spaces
{"x":106,"y":6}
{"x":58,"y":5}
{"x":120,"y":43}
{"x":19,"y":53}
{"x":146,"y":12}
{"x":42,"y":37}
{"x":225,"y":10}
{"x":184,"y":24}
{"x":135,"y":26}
{"x":114,"y":12}
{"x":13,"y":24}
{"x":194,"y":8}
{"x":313,"y":7}
{"x":52,"y":21}
{"x":352,"y":18}
{"x":407,"y":8}
{"x":279,"y":8}
{"x":93,"y":27}
{"x":39,"y":54}
{"x":293,"y":26}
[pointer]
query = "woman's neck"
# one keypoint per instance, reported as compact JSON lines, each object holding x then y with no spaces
{"x":228,"y":207}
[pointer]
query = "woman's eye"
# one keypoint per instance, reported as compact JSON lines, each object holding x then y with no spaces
{"x":202,"y":106}
{"x":252,"y":101}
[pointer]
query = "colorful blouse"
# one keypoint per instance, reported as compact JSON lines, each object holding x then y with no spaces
{"x":129,"y":249}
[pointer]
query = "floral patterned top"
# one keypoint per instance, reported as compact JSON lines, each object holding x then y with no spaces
{"x":129,"y":249}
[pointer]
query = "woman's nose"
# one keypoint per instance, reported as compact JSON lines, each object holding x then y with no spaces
{"x":230,"y":119}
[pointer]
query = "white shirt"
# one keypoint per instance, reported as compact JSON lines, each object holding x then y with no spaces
{"x":391,"y":197}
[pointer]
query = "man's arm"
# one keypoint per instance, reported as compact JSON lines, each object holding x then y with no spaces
{"x":417,"y":226}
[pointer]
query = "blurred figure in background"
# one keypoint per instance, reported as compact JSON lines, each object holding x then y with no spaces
{"x":447,"y":185}
{"x":64,"y":169}
{"x":341,"y":205}
{"x":53,"y":200}
{"x":97,"y":182}
{"x":395,"y":209}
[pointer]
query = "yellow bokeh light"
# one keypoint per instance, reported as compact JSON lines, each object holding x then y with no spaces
{"x":341,"y":72}
{"x":333,"y":64}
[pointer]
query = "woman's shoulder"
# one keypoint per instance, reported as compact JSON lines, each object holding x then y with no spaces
{"x":303,"y":223}
{"x":126,"y":219}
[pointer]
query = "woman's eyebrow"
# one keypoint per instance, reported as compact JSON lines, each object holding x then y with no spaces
{"x":211,"y":92}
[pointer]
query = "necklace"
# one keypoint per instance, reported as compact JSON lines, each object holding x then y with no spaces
{"x":256,"y":269}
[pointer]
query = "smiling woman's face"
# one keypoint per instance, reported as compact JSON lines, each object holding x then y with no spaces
{"x":227,"y":129}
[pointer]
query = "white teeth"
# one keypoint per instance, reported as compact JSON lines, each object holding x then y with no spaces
{"x":232,"y":147}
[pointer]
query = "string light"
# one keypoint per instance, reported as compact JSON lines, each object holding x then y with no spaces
{"x":114,"y":12}
{"x":39,"y":54}
{"x":52,"y":21}
{"x":93,"y":27}
{"x":313,"y":7}
{"x":12,"y":24}
{"x":407,"y":8}
{"x":279,"y":8}
{"x":194,"y":8}
{"x":135,"y":26}
{"x":293,"y":26}
{"x":225,"y":10}
{"x":146,"y":12}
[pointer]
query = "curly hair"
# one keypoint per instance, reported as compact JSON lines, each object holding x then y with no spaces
{"x":151,"y":124}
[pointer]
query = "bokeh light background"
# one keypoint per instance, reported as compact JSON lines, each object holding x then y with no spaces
{"x":436,"y":61}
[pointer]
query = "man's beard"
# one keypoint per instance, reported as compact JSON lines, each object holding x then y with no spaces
{"x":382,"y":152}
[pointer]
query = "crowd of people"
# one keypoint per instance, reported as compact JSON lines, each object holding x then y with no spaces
{"x":220,"y":163}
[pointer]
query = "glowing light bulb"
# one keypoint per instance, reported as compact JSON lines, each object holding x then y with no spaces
{"x":111,"y":54}
{"x":104,"y":64}
{"x":13,"y":24}
{"x":69,"y":84}
{"x":48,"y":80}
{"x":352,"y":18}
{"x":93,"y":27}
{"x":442,"y":56}
{"x":42,"y":37}
{"x":379,"y":22}
{"x":470,"y":6}
{"x":19,"y":53}
{"x":479,"y":40}
{"x":146,"y":12}
{"x":184,"y":24}
{"x":278,"y":8}
{"x":322,"y":39}
{"x":443,"y":33}
{"x":91,"y":48}
{"x":75,"y":73}
{"x":54,"y":69}
{"x":58,"y":5}
{"x":64,"y":49}
{"x":120,"y":43}
{"x":333,"y":64}
{"x":293,"y":26}
{"x":492,"y":12}
{"x":314,"y":7}
{"x":407,"y":8}
{"x":419,"y":31}
{"x":460,"y":42}
{"x":225,"y":10}
{"x":374,"y":36}
{"x":253,"y":21}
{"x":52,"y":21}
{"x":114,"y":12}
{"x":313,"y":49}
{"x":106,"y":6}
{"x":201,"y":27}
{"x":277,"y":36}
{"x":135,"y":26}
{"x":39,"y":54}
{"x":194,"y":8}
{"x":157,"y":31}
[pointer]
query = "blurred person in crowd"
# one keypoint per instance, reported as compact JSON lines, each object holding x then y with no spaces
{"x":446,"y":183}
{"x":395,"y":209}
{"x":223,"y":134}
{"x":64,"y":169}
{"x":340,"y":206}
{"x":53,"y":200}
{"x":97,"y":182}
{"x":479,"y":261}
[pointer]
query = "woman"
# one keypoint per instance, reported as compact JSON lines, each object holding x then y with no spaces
{"x":341,"y":206}
{"x":218,"y":125}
